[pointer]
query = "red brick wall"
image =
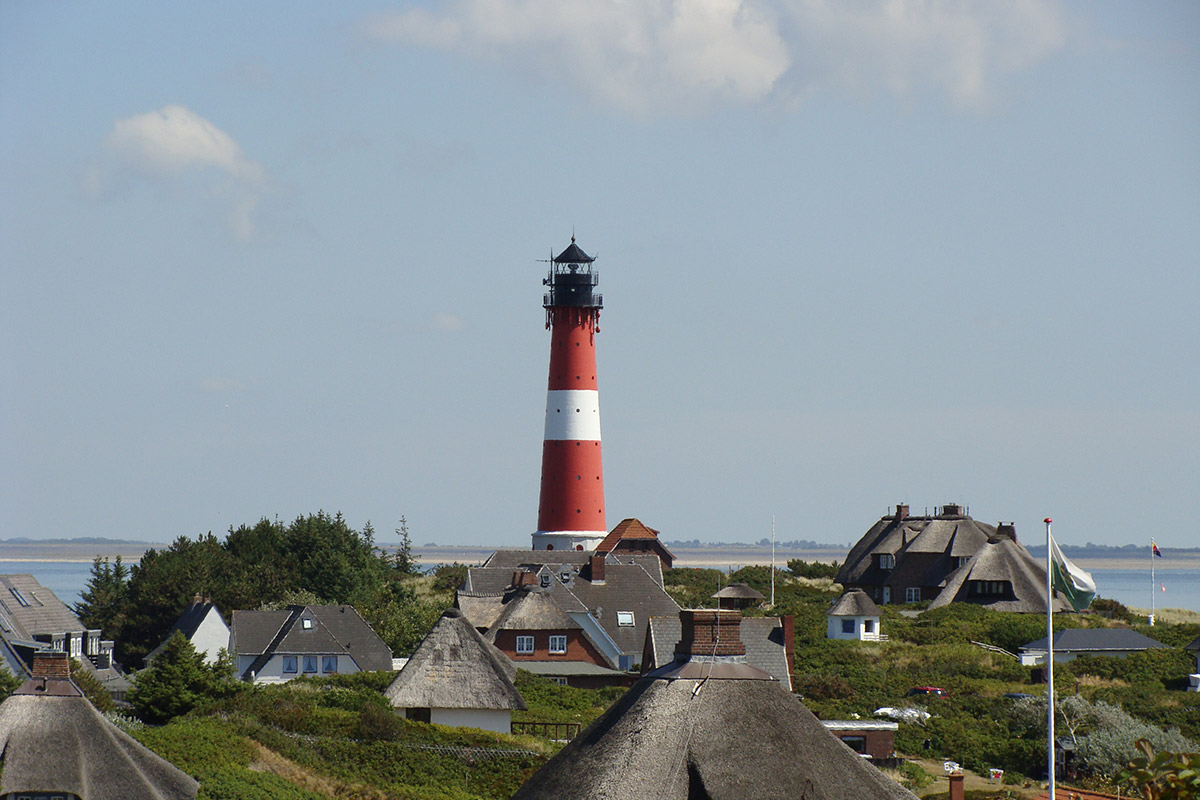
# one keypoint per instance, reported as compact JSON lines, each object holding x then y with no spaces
{"x":708,"y":632}
{"x":578,"y":647}
{"x":51,"y":665}
{"x":879,"y":744}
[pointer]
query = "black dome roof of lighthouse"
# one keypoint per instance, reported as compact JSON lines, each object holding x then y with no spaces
{"x":573,"y":255}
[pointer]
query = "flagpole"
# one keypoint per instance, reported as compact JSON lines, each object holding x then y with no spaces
{"x":1152,"y":583}
{"x":1049,"y":663}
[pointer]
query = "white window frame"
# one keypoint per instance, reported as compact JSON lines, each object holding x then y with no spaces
{"x":625,"y":619}
{"x":558,"y":644}
{"x":887,"y":561}
{"x":525,"y":645}
{"x":912,"y":594}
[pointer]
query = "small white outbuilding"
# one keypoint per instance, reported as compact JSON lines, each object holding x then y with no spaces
{"x":854,"y":616}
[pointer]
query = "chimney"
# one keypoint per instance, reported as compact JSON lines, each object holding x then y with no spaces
{"x":956,"y":786}
{"x":710,"y":632}
{"x":1007,"y":530}
{"x":789,"y":641}
{"x":952,"y":510}
{"x":596,"y":566}
{"x":51,"y":665}
{"x":901,"y":512}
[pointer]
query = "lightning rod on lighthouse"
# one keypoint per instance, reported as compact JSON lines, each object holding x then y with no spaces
{"x":571,"y":506}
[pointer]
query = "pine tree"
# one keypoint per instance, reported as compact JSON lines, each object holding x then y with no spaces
{"x":104,"y":602}
{"x":177,"y":681}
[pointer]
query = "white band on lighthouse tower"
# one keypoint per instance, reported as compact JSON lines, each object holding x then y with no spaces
{"x":572,"y":415}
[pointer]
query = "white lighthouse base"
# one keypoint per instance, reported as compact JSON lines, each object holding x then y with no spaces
{"x":568,"y":540}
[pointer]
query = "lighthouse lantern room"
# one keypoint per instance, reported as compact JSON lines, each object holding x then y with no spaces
{"x":571,"y":508}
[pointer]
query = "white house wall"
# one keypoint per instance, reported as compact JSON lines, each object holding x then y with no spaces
{"x":272,"y":671}
{"x":499,"y":721}
{"x":833,"y":628}
{"x":211,"y":636}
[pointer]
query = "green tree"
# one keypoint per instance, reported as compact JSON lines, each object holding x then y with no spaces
{"x":178,"y":681}
{"x":92,"y":689}
{"x":403,"y":560}
{"x":104,"y":602}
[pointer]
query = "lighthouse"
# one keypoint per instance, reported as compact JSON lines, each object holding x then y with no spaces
{"x":571,"y":506}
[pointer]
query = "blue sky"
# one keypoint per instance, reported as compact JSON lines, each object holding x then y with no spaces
{"x":263,"y":259}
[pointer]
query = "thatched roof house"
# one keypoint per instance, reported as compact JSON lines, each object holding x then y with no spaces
{"x":907,"y":559}
{"x":738,"y":595}
{"x":854,"y":615}
{"x":708,"y":727}
{"x":1002,"y":576}
{"x":55,"y":743}
{"x":457,"y":678}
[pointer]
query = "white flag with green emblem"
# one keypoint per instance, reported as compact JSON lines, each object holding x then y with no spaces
{"x":1069,"y":579}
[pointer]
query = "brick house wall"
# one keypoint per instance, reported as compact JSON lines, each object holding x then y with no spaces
{"x":578,"y":646}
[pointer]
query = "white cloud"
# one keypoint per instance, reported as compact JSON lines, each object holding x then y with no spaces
{"x":173,"y":143}
{"x":647,"y":55}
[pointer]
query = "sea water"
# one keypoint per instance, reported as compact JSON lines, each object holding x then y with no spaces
{"x":1173,"y":588}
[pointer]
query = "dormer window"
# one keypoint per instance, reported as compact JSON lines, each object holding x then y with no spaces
{"x":545,"y":580}
{"x":887,"y":561}
{"x":565,"y":576}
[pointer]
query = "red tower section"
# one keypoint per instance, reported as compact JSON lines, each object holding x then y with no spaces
{"x":571,"y":508}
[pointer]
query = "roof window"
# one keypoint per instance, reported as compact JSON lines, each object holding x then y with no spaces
{"x":625,"y":619}
{"x":20,"y":597}
{"x":307,"y":623}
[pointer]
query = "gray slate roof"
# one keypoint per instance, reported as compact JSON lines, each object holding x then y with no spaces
{"x":454,"y":667}
{"x":53,"y":739}
{"x":854,"y":603}
{"x":762,"y":636}
{"x":1095,"y":640}
{"x":336,"y":630}
{"x":667,"y":739}
{"x":1006,"y":560}
{"x":41,"y":613}
{"x":633,"y":583}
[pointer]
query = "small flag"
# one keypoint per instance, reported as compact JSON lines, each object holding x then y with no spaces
{"x":1069,"y":579}
{"x":1162,"y":586}
{"x":1154,"y":547}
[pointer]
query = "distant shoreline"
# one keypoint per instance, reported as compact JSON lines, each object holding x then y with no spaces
{"x":710,"y":556}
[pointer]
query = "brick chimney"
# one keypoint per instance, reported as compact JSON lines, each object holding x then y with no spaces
{"x":956,"y":786}
{"x":902,"y":512}
{"x":596,"y":568}
{"x":710,"y":632}
{"x":51,"y":665}
{"x":789,"y":641}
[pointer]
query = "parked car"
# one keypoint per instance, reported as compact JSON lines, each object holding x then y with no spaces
{"x":927,"y":691}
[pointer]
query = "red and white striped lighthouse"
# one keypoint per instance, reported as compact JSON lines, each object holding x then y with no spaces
{"x":571,"y":508}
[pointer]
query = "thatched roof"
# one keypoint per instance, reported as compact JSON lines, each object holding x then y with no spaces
{"x":951,"y":534}
{"x":854,"y":603}
{"x":1005,"y":561}
{"x":54,"y":740}
{"x":688,"y":738}
{"x":739,"y":591}
{"x":454,"y":667}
